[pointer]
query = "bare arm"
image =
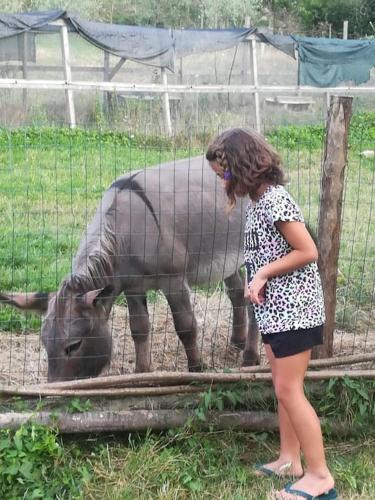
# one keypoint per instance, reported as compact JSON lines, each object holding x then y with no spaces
{"x":303,"y":252}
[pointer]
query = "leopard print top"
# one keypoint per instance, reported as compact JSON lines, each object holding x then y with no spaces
{"x":292,"y":301}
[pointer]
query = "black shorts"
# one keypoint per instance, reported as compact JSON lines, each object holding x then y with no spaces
{"x":292,"y":342}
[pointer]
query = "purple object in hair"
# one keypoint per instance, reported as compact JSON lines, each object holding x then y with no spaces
{"x":228,"y":175}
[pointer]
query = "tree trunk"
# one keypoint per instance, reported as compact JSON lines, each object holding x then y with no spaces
{"x":329,"y":227}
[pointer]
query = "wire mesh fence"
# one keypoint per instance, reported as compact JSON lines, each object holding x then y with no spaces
{"x":52,"y":180}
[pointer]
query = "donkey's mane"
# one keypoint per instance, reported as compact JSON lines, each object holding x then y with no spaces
{"x":96,"y":260}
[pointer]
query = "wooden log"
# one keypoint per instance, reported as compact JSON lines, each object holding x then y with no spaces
{"x":184,"y":401}
{"x":139,"y":420}
{"x":125,"y":392}
{"x":319,"y":363}
{"x":143,"y":420}
{"x":252,"y":395}
{"x":117,"y":384}
{"x":329,"y":227}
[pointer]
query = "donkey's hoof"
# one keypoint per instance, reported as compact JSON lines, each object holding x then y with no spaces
{"x":250,"y":359}
{"x":200,"y":367}
{"x":238,"y":343}
{"x":143,"y":369}
{"x":237,"y":346}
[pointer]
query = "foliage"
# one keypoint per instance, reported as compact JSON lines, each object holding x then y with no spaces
{"x":317,"y":14}
{"x":218,"y":399}
{"x":310,"y":14}
{"x":292,"y":137}
{"x":76,"y":405}
{"x":64,"y":136}
{"x":169,"y":13}
{"x":33,"y":464}
{"x":348,"y":400}
{"x":335,"y":12}
{"x":362,"y":130}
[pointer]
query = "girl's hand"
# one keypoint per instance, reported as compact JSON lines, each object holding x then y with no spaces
{"x":256,"y":290}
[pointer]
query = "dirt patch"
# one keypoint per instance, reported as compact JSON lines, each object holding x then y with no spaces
{"x":23,"y":359}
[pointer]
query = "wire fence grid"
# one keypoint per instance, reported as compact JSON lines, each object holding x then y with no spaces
{"x":53,"y":179}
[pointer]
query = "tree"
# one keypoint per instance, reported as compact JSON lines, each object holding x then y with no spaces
{"x":315,"y":13}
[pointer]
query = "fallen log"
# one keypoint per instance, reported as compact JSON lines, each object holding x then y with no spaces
{"x":138,"y":420}
{"x":142,"y":420}
{"x":321,"y":363}
{"x":116,"y":391}
{"x":122,"y":384}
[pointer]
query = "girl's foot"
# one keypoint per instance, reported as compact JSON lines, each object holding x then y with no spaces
{"x":310,"y":484}
{"x":280,"y":468}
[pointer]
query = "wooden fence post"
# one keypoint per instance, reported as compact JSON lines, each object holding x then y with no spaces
{"x":24,"y":68}
{"x":329,"y":227}
{"x":67,"y":73}
{"x":166,"y":108}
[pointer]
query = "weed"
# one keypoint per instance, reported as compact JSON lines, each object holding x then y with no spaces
{"x":34,"y":465}
{"x":347,"y":400}
{"x":76,"y":405}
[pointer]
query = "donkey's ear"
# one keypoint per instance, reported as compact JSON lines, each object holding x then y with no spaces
{"x":92,"y":297}
{"x":33,"y":301}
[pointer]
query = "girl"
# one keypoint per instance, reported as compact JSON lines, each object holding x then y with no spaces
{"x":283,"y":284}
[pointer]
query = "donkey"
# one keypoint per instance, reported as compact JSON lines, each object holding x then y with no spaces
{"x":162,"y":228}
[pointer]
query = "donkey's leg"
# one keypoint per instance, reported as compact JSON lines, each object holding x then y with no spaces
{"x":251,"y":352}
{"x":178,"y":296}
{"x":234,"y":287}
{"x":140,"y":328}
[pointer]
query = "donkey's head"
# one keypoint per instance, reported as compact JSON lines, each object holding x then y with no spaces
{"x":75,"y":331}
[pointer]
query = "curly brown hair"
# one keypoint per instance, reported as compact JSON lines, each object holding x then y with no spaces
{"x":248,"y":158}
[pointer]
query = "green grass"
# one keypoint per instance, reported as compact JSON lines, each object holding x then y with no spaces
{"x":217,"y":466}
{"x":176,"y":465}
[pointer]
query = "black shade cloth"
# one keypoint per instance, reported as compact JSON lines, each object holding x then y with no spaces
{"x":322,"y":62}
{"x":147,"y":45}
{"x":15,"y":24}
{"x":285,"y":43}
{"x":197,"y":41}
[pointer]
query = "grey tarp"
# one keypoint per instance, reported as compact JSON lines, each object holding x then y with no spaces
{"x":11,"y":25}
{"x":197,"y":41}
{"x":147,"y":45}
{"x":15,"y":24}
{"x":325,"y":62}
{"x":285,"y":43}
{"x":156,"y":46}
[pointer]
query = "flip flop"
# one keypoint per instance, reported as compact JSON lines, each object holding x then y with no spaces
{"x":269,"y":472}
{"x":329,"y":495}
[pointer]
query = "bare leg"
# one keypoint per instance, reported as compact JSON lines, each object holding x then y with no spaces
{"x":289,"y":443}
{"x":290,"y":372}
{"x":140,"y":328}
